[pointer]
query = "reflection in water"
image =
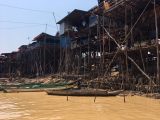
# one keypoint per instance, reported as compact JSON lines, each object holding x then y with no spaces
{"x":40,"y":106}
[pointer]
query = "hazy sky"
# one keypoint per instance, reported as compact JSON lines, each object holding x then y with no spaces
{"x":17,"y":25}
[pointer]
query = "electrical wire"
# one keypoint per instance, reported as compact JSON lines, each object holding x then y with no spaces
{"x":22,"y":22}
{"x":20,"y":27}
{"x":27,"y":23}
{"x":51,"y":26}
{"x":55,"y":21}
{"x":29,"y":9}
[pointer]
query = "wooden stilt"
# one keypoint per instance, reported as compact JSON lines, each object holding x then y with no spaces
{"x":126,"y":29}
{"x":103,"y":51}
{"x":157,"y":45}
{"x":44,"y":65}
{"x":54,"y":58}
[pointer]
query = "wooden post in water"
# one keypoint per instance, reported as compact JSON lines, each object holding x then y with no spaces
{"x":96,"y":91}
{"x":66,"y":88}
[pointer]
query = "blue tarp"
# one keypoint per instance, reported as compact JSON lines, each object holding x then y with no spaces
{"x":153,"y":32}
{"x":93,"y":19}
{"x":64,"y":41}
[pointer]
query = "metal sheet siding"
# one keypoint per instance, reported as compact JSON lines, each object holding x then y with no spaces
{"x":62,"y":27}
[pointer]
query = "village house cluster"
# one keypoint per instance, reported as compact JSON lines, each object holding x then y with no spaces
{"x":113,"y":45}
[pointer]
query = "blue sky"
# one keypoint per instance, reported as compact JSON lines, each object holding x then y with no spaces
{"x":13,"y":34}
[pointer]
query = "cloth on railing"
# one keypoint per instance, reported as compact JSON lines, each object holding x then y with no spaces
{"x":106,"y":5}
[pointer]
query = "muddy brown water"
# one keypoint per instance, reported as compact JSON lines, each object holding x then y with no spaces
{"x":40,"y":106}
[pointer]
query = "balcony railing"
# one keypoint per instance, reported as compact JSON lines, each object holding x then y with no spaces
{"x":37,"y":44}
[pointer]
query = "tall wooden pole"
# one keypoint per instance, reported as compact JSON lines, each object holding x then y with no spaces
{"x":9,"y":69}
{"x":54,"y":58}
{"x":80,"y":57}
{"x":132,"y":35}
{"x":109,"y":45}
{"x":84,"y":66}
{"x":156,"y":24}
{"x":100,"y":45}
{"x":66,"y":55}
{"x":44,"y":61}
{"x":131,"y":26}
{"x":66,"y":88}
{"x":40,"y":62}
{"x":60,"y":56}
{"x":126,"y":28}
{"x":98,"y":50}
{"x":103,"y":48}
{"x":89,"y":52}
{"x":45,"y":52}
{"x":109,"y":37}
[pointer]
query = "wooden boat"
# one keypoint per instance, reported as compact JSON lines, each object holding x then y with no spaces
{"x":83,"y":92}
{"x":1,"y":89}
{"x":37,"y":88}
{"x":20,"y":85}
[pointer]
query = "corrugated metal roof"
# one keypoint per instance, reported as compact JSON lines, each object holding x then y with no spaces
{"x":42,"y":35}
{"x":75,"y":14}
{"x":5,"y":53}
{"x":22,"y":46}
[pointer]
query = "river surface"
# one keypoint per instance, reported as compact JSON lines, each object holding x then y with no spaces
{"x":40,"y":106}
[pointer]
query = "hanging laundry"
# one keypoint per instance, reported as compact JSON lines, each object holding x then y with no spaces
{"x":83,"y":23}
{"x":106,"y":5}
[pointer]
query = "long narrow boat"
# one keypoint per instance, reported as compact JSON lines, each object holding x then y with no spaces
{"x":1,"y":89}
{"x":37,"y":88}
{"x":83,"y":92}
{"x":23,"y":85}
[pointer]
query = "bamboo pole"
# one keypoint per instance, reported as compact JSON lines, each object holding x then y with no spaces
{"x":45,"y":52}
{"x":157,"y":45}
{"x":40,"y":61}
{"x":97,"y":50}
{"x":142,"y":60}
{"x":66,"y":88}
{"x":60,"y":57}
{"x":98,"y":34}
{"x":54,"y":58}
{"x":80,"y":57}
{"x":109,"y":46}
{"x":132,"y":34}
{"x":109,"y":37}
{"x":84,"y":67}
{"x":100,"y":44}
{"x":126,"y":51}
{"x":96,"y":90}
{"x":68,"y":51}
{"x":9,"y":69}
{"x":89,"y":52}
{"x":103,"y":49}
{"x":122,"y":71}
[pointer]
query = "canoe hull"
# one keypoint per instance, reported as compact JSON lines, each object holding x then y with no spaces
{"x":83,"y":92}
{"x":36,"y":89}
{"x":1,"y":89}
